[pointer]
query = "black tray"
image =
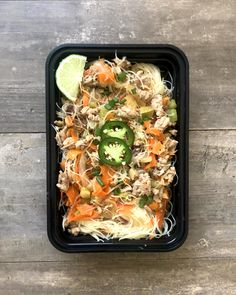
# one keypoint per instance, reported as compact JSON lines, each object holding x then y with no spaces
{"x":168,"y":58}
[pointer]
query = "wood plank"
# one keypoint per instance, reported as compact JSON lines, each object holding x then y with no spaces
{"x":122,"y":276}
{"x":30,"y":29}
{"x":23,"y":199}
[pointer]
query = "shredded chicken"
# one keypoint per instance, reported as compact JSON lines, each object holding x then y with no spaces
{"x":168,"y":177}
{"x":84,"y":142}
{"x":61,"y":136}
{"x":156,"y":103}
{"x":127,"y":112}
{"x":63,"y":181}
{"x":144,"y":94}
{"x":91,"y":113}
{"x":162,"y":123}
{"x":122,"y":62}
{"x":142,"y":186}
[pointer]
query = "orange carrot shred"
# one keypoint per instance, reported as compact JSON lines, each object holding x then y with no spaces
{"x":154,"y":131}
{"x":147,"y":124}
{"x":152,"y":164}
{"x":153,"y":206}
{"x":73,"y":153}
{"x":165,"y":101}
{"x":69,"y":121}
{"x":72,"y":193}
{"x":62,"y":165}
{"x":85,"y":99}
{"x":82,"y":212}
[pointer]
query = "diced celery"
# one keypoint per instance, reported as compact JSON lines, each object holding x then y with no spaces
{"x":93,"y":104}
{"x":172,"y":104}
{"x":172,"y":113}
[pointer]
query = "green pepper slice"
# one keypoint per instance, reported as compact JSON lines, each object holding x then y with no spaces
{"x":114,"y":151}
{"x":118,"y":129}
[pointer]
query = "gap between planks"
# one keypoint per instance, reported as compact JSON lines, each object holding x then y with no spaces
{"x":141,"y":253}
{"x":190,"y":130}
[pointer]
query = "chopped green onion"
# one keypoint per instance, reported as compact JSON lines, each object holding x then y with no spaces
{"x":99,"y":180}
{"x":123,"y":101}
{"x":145,"y":200}
{"x":142,"y":203}
{"x":96,"y":171}
{"x":108,"y":106}
{"x":106,"y":91}
{"x":96,"y":141}
{"x":77,"y":212}
{"x":111,"y":103}
{"x":149,"y":200}
{"x":134,"y":91}
{"x":146,"y":118}
{"x":121,"y":77}
{"x":117,"y":191}
{"x":140,"y":120}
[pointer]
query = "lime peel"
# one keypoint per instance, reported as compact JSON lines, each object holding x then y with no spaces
{"x":69,"y":74}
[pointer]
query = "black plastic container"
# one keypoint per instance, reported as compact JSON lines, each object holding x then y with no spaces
{"x":169,"y":59}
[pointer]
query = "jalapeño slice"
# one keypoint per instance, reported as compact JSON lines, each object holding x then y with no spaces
{"x":118,"y":129}
{"x":114,"y":151}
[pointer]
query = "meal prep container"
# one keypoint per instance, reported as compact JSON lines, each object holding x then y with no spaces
{"x":169,"y":59}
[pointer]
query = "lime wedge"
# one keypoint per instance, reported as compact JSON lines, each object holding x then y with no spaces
{"x":69,"y":74}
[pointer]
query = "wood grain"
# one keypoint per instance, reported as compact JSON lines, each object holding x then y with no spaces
{"x":122,"y":276}
{"x":30,"y":29}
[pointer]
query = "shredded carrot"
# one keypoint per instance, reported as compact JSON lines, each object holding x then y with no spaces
{"x":72,"y":133}
{"x":106,"y":78}
{"x":99,"y":191}
{"x":73,"y":153}
{"x":154,"y":131}
{"x":72,"y":193}
{"x":83,"y":217}
{"x":156,"y":148}
{"x":69,"y":121}
{"x":152,"y":164}
{"x":127,"y":180}
{"x":82,"y":212}
{"x":63,"y":165}
{"x":165,"y":101}
{"x":147,"y":124}
{"x":110,"y":116}
{"x":124,"y":208}
{"x":160,"y":214}
{"x":153,"y":206}
{"x":106,"y":174}
{"x":93,"y":147}
{"x":77,"y":165}
{"x":105,"y":74}
{"x":160,"y":218}
{"x":85,"y":99}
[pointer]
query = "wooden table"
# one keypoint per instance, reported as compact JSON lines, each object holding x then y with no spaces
{"x":205,"y":30}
